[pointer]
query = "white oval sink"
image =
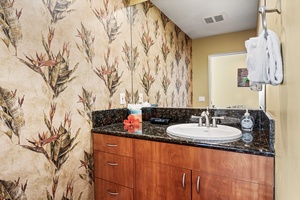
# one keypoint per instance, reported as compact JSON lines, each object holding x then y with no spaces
{"x":193,"y":131}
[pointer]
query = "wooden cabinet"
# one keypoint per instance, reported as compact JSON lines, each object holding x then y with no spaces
{"x":215,"y":174}
{"x":154,"y":170}
{"x":113,"y":168}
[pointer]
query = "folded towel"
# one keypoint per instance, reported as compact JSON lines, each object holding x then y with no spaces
{"x":257,"y":59}
{"x":264,"y":62}
{"x":275,"y":60}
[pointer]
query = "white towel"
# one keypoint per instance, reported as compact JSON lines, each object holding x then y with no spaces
{"x":257,"y":59}
{"x":264,"y":62}
{"x":275,"y":60}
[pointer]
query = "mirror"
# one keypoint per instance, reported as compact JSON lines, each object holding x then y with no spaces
{"x":173,"y":69}
{"x":228,"y":86}
{"x":161,"y":63}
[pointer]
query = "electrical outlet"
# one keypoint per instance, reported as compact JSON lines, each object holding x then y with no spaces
{"x":201,"y":99}
{"x":141,"y":98}
{"x":122,"y":98}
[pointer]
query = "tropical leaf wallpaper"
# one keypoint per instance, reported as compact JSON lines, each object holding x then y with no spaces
{"x":62,"y":59}
{"x":161,"y":54}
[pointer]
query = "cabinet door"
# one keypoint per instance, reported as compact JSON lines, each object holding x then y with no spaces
{"x":105,"y":190}
{"x":161,"y":182}
{"x":207,"y":186}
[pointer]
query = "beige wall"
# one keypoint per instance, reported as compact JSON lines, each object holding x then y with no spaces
{"x":202,"y":47}
{"x":132,"y":2}
{"x":283,"y":101}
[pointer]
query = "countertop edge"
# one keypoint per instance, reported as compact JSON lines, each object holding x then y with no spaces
{"x":180,"y":142}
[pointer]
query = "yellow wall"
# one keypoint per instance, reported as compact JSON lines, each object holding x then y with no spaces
{"x":202,"y":47}
{"x":283,"y":101}
{"x":132,"y":2}
{"x":224,"y":84}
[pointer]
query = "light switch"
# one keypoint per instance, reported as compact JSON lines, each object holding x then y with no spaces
{"x":201,"y":99}
{"x":122,"y":98}
{"x":141,"y":98}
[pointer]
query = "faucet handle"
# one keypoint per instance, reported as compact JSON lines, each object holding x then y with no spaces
{"x":214,"y":123}
{"x":195,"y":117}
{"x":198,"y":117}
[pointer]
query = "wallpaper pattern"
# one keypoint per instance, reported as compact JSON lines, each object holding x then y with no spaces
{"x":62,"y":59}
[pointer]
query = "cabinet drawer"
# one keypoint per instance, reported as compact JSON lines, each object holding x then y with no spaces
{"x":113,"y":144}
{"x":114,"y":168}
{"x":163,"y":153}
{"x":105,"y":190}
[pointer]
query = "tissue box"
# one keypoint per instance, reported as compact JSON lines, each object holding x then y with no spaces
{"x":136,"y":111}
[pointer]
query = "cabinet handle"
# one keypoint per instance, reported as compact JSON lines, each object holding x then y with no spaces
{"x":198,"y":185}
{"x":112,"y":164}
{"x":111,"y":145}
{"x":183,"y":181}
{"x":112,"y":193}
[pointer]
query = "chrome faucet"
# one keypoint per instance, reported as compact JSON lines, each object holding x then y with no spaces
{"x":207,"y":118}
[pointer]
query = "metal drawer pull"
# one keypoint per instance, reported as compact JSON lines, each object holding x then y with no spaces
{"x":111,"y":145}
{"x":183,"y":181}
{"x":112,"y":164}
{"x":112,"y":193}
{"x":198,"y":185}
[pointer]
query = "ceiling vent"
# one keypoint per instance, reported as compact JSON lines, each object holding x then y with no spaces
{"x":217,"y":18}
{"x":209,"y":20}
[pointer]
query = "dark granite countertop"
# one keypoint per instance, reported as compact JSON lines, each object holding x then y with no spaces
{"x":154,"y":132}
{"x":110,"y":122}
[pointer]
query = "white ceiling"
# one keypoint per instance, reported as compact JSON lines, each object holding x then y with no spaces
{"x":189,"y":15}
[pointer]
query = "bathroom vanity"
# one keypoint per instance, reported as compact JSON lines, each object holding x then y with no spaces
{"x":152,"y":165}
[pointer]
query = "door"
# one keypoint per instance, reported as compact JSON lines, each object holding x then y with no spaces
{"x":161,"y":182}
{"x":207,"y":186}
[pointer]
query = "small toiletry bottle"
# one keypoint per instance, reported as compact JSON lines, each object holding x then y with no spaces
{"x":247,"y":122}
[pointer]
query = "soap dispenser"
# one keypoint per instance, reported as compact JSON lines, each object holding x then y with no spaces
{"x":247,"y":122}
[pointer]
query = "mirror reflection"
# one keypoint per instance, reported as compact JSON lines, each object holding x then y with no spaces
{"x":201,"y":48}
{"x":229,"y":87}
